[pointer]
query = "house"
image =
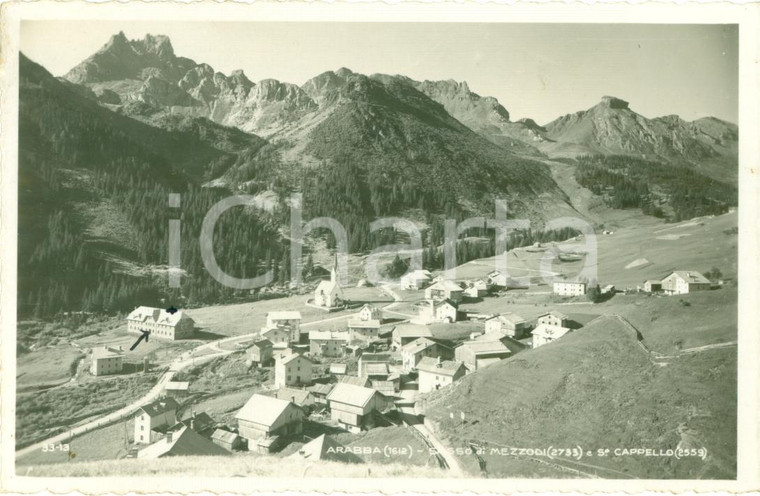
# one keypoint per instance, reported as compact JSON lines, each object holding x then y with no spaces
{"x":106,"y":361}
{"x":161,"y":324}
{"x":371,"y":358}
{"x":364,"y":331}
{"x":508,"y":324}
{"x":544,"y":334}
{"x":292,"y":370}
{"x":320,"y":392}
{"x":369,"y":312}
{"x":352,"y":406}
{"x":326,"y":448}
{"x":415,"y":279}
{"x":227,"y":440}
{"x":329,"y":293}
{"x":479,"y":354}
{"x":338,"y":368}
{"x":301,"y":397}
{"x":553,"y":318}
{"x":386,"y":388}
{"x":280,"y":336}
{"x":154,"y":420}
{"x":430,"y":311}
{"x":288,"y":319}
{"x":476,"y":289}
{"x":569,"y":288}
{"x":183,"y":442}
{"x":328,"y":343}
{"x":376,"y":371}
{"x":652,"y":285}
{"x":201,"y":423}
{"x":497,"y":279}
{"x":434,"y":373}
{"x":260,"y":352}
{"x":684,"y":282}
{"x":406,"y":333}
{"x":265,"y":417}
{"x":412,"y":353}
{"x":445,"y":290}
{"x":355,"y":381}
{"x":177,"y":389}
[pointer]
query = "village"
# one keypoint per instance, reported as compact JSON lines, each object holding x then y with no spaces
{"x":374,"y":370}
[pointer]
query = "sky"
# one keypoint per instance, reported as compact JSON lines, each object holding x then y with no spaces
{"x":540,"y":71}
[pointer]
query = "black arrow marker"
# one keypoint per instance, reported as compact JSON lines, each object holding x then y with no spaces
{"x":144,"y":335}
{"x":171,"y":310}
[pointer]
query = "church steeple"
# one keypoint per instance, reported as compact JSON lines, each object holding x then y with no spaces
{"x":334,"y":270}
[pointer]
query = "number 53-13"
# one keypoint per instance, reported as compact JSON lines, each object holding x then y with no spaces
{"x":55,"y":447}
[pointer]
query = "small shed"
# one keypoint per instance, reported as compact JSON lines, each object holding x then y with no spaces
{"x":227,"y":440}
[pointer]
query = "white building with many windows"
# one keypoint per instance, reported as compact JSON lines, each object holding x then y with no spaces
{"x":160,"y":323}
{"x":570,"y":288}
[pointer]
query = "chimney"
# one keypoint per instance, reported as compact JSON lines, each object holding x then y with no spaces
{"x":293,"y":399}
{"x":192,"y":423}
{"x":169,"y":437}
{"x":438,"y":362}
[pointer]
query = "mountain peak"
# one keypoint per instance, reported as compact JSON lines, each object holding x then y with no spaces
{"x":614,"y":102}
{"x":158,"y":45}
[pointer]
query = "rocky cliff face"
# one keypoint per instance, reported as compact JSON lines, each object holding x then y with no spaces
{"x":145,"y":79}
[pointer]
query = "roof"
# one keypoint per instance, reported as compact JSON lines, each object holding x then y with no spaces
{"x":447,"y":367}
{"x":105,"y":352}
{"x":262,"y":343}
{"x":690,"y":276}
{"x":177,"y":386}
{"x":571,"y":282}
{"x":323,"y":389}
{"x":485,"y":362}
{"x":351,"y":395}
{"x":326,"y":448}
{"x":263,"y":410}
{"x":354,"y":380}
{"x":293,"y":356}
{"x":327,"y":336}
{"x":364,"y":324}
{"x":417,"y":274}
{"x":484,"y":347}
{"x":386,"y":388}
{"x":284,"y":315}
{"x":184,"y":442}
{"x":376,"y":369}
{"x":446,"y":285}
{"x":159,"y":406}
{"x":224,"y":436}
{"x":653,"y":281}
{"x":509,"y":317}
{"x":157,"y":315}
{"x":413,"y":331}
{"x":553,"y":313}
{"x":446,"y":302}
{"x":418,"y":345}
{"x":201,"y":421}
{"x":328,"y":286}
{"x":553,"y":332}
{"x":375,"y":357}
{"x":298,"y":396}
{"x":338,"y":368}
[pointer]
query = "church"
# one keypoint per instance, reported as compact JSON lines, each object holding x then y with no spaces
{"x":328,"y":293}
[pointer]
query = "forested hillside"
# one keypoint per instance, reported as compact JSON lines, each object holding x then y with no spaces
{"x":76,"y":157}
{"x":663,"y":190}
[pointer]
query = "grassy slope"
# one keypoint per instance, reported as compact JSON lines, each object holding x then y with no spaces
{"x":692,"y":245}
{"x":46,"y":367}
{"x":596,"y":388}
